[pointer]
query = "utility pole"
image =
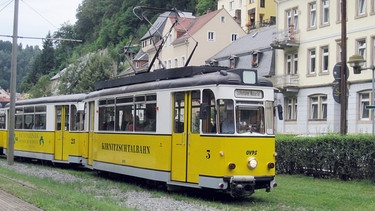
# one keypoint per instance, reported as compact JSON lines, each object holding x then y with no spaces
{"x":343,"y":99}
{"x":13,"y":77}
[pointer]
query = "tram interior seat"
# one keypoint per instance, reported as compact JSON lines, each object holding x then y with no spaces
{"x":124,"y":125}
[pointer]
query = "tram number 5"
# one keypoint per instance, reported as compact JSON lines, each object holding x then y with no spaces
{"x":208,"y":156}
{"x":73,"y":141}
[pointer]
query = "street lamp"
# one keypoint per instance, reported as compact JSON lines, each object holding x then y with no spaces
{"x":357,"y":61}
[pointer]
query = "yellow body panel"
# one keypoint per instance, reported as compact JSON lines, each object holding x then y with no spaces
{"x":45,"y":143}
{"x":35,"y":141}
{"x":210,"y":156}
{"x":74,"y":145}
{"x":3,"y":139}
{"x":143,"y":151}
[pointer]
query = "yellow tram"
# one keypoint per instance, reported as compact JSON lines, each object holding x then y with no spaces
{"x":168,"y":126}
{"x":199,"y":127}
{"x":49,"y":128}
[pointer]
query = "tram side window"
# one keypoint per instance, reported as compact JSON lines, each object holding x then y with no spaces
{"x":77,"y":119}
{"x":209,"y":124}
{"x":40,"y":118}
{"x":19,"y":118}
{"x":124,"y":115}
{"x":149,"y":123}
{"x":107,"y":114}
{"x":226,"y":116}
{"x":2,"y":120}
{"x":30,"y":118}
{"x":195,"y":108}
{"x":179,"y":105}
{"x":128,"y":113}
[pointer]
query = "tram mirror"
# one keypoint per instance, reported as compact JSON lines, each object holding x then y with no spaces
{"x":280,"y":112}
{"x":203,"y":112}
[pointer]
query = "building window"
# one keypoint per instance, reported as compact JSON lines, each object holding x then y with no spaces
{"x":176,"y":62}
{"x":373,"y":50}
{"x":325,"y":18}
{"x":234,"y":37}
{"x":292,"y":18}
{"x":295,"y":19}
{"x":312,"y":17}
{"x":288,"y":18}
{"x":291,"y":64}
{"x":364,"y":100}
{"x":295,"y":64}
{"x":231,"y":5}
{"x":182,"y":61}
{"x":262,"y":3}
{"x":361,"y":48}
{"x":288,"y":64}
{"x":318,"y":107}
{"x":372,"y":6}
{"x":361,"y":7}
{"x":312,"y":61}
{"x":211,"y":36}
{"x":169,"y":64}
{"x":325,"y":54}
{"x":291,"y":108}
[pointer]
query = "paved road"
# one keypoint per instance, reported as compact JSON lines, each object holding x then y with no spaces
{"x":8,"y":202}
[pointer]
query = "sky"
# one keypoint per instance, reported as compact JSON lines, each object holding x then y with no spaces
{"x":36,"y":18}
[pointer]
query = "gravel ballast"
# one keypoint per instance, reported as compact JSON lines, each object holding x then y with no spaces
{"x":141,"y":200}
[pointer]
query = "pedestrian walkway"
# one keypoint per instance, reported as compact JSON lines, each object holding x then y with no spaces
{"x":8,"y":202}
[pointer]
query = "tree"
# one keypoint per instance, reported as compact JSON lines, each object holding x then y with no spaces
{"x":82,"y":76}
{"x":203,"y":6}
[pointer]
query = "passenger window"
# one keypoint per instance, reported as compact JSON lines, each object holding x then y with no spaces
{"x":209,"y":123}
{"x":195,"y":108}
{"x":226,"y":116}
{"x":179,"y":105}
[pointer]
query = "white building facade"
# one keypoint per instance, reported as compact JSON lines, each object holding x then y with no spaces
{"x":308,"y":46}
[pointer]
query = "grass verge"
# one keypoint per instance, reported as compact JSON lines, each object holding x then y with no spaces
{"x":293,"y":193}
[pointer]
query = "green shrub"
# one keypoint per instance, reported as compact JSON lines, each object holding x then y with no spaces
{"x":332,"y":156}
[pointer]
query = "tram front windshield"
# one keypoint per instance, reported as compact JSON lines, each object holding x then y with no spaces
{"x":241,"y":118}
{"x":250,"y":119}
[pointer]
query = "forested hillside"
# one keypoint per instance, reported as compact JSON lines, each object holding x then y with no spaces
{"x":105,"y":28}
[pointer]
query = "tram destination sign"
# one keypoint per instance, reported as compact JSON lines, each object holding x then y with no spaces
{"x":370,"y":107}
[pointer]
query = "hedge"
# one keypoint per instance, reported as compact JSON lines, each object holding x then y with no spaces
{"x":329,"y":156}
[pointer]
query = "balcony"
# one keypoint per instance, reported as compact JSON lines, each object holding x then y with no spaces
{"x":287,"y":83}
{"x":286,"y":39}
{"x":259,"y":24}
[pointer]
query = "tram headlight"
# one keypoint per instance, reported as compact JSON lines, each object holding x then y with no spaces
{"x":252,"y":163}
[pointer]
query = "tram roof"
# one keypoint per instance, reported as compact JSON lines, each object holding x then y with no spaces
{"x":174,"y":78}
{"x":169,"y":74}
{"x":157,"y":75}
{"x":52,"y":99}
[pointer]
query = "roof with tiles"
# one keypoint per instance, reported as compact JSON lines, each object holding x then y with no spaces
{"x":197,"y":24}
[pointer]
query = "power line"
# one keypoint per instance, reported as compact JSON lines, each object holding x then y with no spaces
{"x":38,"y":13}
{"x":6,"y":5}
{"x":41,"y":38}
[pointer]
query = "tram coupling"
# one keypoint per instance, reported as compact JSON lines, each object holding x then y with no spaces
{"x":241,"y":186}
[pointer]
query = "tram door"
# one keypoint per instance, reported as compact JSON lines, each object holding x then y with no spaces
{"x":181,"y":136}
{"x":62,"y":125}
